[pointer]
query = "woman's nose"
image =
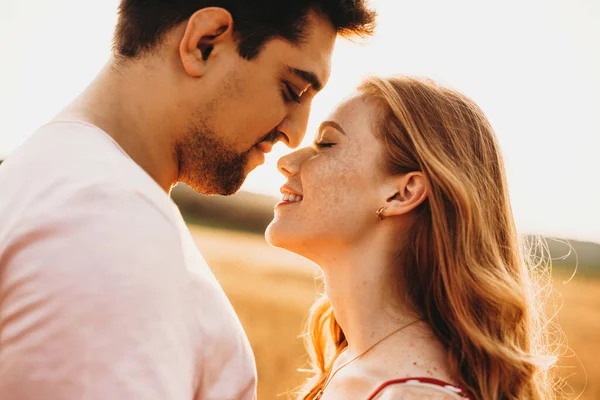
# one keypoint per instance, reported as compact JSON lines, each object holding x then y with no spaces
{"x":291,"y":164}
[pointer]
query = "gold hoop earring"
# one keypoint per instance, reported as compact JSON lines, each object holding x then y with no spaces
{"x":380,"y":216}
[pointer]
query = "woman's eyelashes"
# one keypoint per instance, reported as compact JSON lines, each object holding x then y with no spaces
{"x":324,"y":145}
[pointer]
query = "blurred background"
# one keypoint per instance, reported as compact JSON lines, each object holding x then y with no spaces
{"x":532,"y":65}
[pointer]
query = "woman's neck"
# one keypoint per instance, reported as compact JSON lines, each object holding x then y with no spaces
{"x":364,"y":292}
{"x":360,"y":287}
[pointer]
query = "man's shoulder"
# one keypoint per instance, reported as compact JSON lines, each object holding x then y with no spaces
{"x":72,"y":151}
{"x":68,"y":166}
{"x":92,"y":233}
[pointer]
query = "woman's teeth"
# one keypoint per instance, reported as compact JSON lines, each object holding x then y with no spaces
{"x":292,"y":197}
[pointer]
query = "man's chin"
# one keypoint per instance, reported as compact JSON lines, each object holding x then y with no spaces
{"x":226,"y":188}
{"x":216,"y":186}
{"x":222,"y":179}
{"x":232,"y":186}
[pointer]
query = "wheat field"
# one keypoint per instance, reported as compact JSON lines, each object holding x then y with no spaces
{"x":272,"y":291}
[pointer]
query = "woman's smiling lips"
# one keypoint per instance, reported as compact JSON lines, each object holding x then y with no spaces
{"x":290,"y":196}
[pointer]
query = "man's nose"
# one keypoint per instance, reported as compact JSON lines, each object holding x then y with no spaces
{"x":291,"y":164}
{"x":294,"y":125}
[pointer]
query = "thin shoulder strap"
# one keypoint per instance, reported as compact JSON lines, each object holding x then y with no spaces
{"x":428,"y":381}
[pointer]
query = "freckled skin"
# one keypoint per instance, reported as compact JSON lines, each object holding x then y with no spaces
{"x":340,"y":184}
{"x":343,"y":186}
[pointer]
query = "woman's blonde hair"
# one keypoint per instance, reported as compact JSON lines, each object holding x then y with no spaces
{"x":469,"y":279}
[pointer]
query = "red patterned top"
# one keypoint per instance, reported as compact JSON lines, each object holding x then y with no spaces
{"x":456,"y":391}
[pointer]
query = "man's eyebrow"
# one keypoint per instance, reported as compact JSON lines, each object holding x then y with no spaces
{"x":308,"y":77}
{"x":331,"y":124}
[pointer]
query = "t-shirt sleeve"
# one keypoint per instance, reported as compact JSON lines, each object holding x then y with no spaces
{"x":94,"y":304}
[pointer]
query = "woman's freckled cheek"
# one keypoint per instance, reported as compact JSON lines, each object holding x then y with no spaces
{"x":331,"y":183}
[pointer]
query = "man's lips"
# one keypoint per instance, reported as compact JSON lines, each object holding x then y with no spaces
{"x":264,"y":147}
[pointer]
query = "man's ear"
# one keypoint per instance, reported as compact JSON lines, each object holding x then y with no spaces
{"x":410,"y":192}
{"x":205,"y":30}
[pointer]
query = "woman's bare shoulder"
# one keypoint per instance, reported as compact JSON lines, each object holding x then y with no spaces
{"x":410,"y":392}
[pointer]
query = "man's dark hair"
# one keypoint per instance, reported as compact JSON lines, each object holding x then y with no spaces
{"x":142,"y":23}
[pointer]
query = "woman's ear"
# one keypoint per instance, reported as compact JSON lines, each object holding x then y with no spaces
{"x":206,"y":29}
{"x":411,"y":191}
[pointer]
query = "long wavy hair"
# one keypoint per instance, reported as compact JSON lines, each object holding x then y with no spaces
{"x":469,"y":276}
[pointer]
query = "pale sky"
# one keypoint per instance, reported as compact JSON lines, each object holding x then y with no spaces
{"x":532,"y":65}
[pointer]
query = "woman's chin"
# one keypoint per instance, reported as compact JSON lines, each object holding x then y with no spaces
{"x":272,"y":235}
{"x":288,"y":239}
{"x":277,"y":236}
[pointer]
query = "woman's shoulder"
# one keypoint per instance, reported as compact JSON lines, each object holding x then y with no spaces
{"x":419,"y":388}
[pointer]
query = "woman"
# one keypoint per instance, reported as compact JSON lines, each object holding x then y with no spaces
{"x":403,"y":203}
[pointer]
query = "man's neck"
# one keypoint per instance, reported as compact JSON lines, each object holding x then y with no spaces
{"x":123,"y":104}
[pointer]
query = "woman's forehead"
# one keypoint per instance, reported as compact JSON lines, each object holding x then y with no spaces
{"x":354,"y":115}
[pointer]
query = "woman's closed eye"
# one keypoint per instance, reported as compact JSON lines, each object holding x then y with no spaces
{"x":324,"y":145}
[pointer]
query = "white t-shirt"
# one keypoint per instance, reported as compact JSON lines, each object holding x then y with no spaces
{"x":103,"y":292}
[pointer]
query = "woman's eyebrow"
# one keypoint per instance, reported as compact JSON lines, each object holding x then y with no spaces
{"x":331,"y":124}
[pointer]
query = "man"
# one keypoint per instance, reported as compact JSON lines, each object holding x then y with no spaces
{"x":103,"y":294}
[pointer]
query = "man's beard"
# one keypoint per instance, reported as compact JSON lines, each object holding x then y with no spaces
{"x":208,"y":165}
